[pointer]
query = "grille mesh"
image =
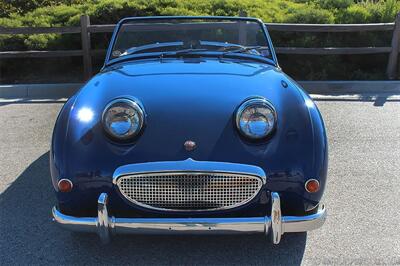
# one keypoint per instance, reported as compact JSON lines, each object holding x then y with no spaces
{"x":189,"y":191}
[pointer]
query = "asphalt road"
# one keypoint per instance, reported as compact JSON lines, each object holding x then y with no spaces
{"x":362,"y":197}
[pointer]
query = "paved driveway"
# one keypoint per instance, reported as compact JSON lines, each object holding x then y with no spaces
{"x":363,"y":200}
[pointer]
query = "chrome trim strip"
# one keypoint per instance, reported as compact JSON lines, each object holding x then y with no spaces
{"x":150,"y":207}
{"x":189,"y":165}
{"x":113,"y":225}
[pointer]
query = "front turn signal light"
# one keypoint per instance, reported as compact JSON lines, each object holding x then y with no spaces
{"x":312,"y":185}
{"x":65,"y":185}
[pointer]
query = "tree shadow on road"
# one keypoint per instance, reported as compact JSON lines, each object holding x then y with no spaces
{"x":28,"y":236}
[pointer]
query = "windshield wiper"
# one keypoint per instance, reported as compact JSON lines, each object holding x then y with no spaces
{"x":151,"y":46}
{"x":186,"y":51}
{"x":182,"y":52}
{"x":240,"y":49}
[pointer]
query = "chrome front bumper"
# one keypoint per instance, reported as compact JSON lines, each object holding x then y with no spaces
{"x":273,"y":226}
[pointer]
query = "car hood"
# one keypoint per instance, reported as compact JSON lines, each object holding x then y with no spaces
{"x":191,"y":99}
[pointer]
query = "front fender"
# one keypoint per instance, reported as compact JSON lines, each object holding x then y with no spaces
{"x":58,"y":142}
{"x":320,"y":144}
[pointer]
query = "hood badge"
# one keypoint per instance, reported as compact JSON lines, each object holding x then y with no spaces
{"x":190,"y":145}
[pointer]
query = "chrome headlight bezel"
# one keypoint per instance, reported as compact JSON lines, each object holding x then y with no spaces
{"x":252,"y":102}
{"x":134,"y":105}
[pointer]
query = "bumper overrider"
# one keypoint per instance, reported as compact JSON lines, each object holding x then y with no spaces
{"x":273,"y":225}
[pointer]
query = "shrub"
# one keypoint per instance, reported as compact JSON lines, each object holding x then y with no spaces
{"x":369,"y":12}
{"x":383,"y":11}
{"x":354,"y":14}
{"x":390,"y":8}
{"x":8,"y":7}
{"x":335,"y":4}
{"x":310,"y":14}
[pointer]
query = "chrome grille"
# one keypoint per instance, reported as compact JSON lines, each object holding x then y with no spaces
{"x":189,"y":191}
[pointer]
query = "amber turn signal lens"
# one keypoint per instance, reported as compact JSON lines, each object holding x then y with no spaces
{"x":65,"y":185}
{"x":312,"y":185}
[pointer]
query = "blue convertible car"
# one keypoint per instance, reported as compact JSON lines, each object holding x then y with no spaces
{"x":190,"y":127}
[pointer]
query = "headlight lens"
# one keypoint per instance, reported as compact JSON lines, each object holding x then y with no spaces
{"x":256,"y":118}
{"x":123,"y":119}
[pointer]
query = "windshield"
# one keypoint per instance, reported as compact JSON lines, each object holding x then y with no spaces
{"x":179,"y":36}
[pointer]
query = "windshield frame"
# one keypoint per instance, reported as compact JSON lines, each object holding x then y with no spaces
{"x":109,"y":60}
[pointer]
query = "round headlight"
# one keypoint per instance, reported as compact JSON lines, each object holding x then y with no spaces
{"x":256,"y":118}
{"x":123,"y":119}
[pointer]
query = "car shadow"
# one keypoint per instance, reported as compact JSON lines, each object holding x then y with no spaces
{"x":29,"y":236}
